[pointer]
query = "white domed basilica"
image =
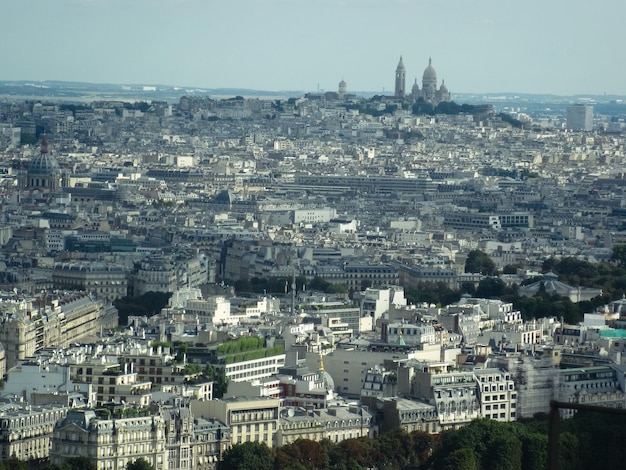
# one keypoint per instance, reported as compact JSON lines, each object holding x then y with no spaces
{"x":429,"y":92}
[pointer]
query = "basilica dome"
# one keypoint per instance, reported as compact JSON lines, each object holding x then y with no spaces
{"x":429,"y":73}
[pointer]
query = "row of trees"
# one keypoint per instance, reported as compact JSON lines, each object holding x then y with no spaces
{"x":394,"y":450}
{"x":589,"y":440}
{"x":537,"y":306}
{"x":246,"y":343}
{"x":608,"y":276}
{"x":282,"y":285}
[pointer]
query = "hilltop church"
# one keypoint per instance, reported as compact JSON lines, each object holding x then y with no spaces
{"x":429,"y":92}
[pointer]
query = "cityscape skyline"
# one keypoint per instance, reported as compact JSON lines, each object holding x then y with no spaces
{"x":476,"y":48}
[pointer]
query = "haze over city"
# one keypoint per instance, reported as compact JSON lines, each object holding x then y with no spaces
{"x":557,"y":47}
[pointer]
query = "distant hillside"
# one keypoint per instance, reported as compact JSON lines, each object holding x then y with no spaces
{"x":76,"y":91}
{"x":81,"y":92}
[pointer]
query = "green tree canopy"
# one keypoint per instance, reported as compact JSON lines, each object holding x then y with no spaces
{"x":248,"y":456}
{"x":479,"y":262}
{"x":619,"y":255}
{"x":79,"y":463}
{"x":139,"y":464}
{"x":220,"y":381}
{"x":460,"y":459}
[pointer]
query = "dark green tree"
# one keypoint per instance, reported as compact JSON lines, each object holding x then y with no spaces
{"x":303,"y":452}
{"x":139,"y":464}
{"x":510,"y":269}
{"x":619,"y":255}
{"x":468,"y":288}
{"x":248,"y":456}
{"x":220,"y":381}
{"x":491,"y":288}
{"x":147,"y":304}
{"x":460,"y":459}
{"x":504,"y":452}
{"x":79,"y":463}
{"x":13,"y":463}
{"x":479,"y":262}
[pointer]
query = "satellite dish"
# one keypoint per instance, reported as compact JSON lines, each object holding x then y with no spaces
{"x":290,"y":412}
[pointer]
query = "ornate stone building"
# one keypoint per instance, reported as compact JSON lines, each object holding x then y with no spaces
{"x":26,"y":431}
{"x":51,"y":320}
{"x":110,"y":443}
{"x":105,"y":280}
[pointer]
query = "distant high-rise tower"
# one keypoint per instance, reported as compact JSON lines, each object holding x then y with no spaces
{"x":580,"y":117}
{"x":400,"y":79}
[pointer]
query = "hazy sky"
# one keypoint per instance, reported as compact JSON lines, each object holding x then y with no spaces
{"x":531,"y":46}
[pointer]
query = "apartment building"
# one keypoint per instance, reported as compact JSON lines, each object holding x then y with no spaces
{"x":110,"y":443}
{"x":32,"y":380}
{"x":296,"y":425}
{"x":51,"y":320}
{"x":113,"y":382}
{"x":596,"y":385}
{"x":376,"y":302}
{"x":410,"y":415}
{"x":409,"y":334}
{"x":453,"y":393}
{"x":497,"y":394}
{"x":26,"y":431}
{"x":344,"y":422}
{"x":360,"y":275}
{"x":213,"y":310}
{"x":106,"y":281}
{"x":250,"y":419}
{"x":157,"y":274}
{"x":211,"y":440}
{"x":410,"y":277}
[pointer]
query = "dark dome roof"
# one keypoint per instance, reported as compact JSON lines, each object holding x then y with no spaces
{"x":44,"y":165}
